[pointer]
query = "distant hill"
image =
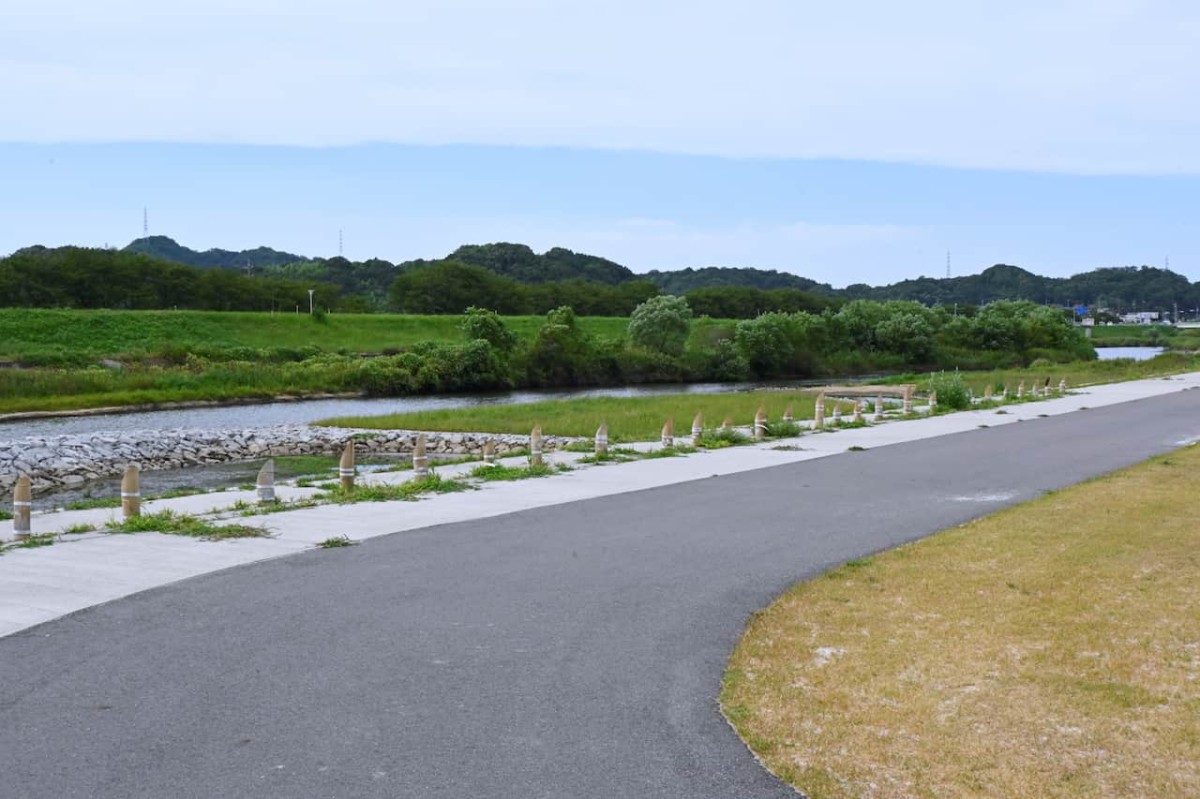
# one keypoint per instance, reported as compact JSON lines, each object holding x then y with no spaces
{"x":1119,"y":288}
{"x":519,"y":262}
{"x":681,"y":281}
{"x":167,"y":249}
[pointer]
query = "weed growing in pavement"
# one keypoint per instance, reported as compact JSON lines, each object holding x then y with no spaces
{"x":170,"y":523}
{"x":433,"y":484}
{"x":79,"y":529}
{"x":336,"y":542}
{"x":490,"y":474}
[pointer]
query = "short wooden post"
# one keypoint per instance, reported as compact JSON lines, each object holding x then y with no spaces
{"x":837,"y":413}
{"x":697,"y":428}
{"x":932,"y":401}
{"x":346,"y":467}
{"x":760,"y":424}
{"x":908,"y":399}
{"x":859,"y":406}
{"x":265,"y":483}
{"x":1062,"y":386}
{"x":1033,"y":390}
{"x":489,"y":452}
{"x":819,"y":412}
{"x":420,"y":459}
{"x":1021,"y":390}
{"x":602,"y":439}
{"x":787,"y":414}
{"x":535,"y":447}
{"x":22,"y":508}
{"x":668,"y":434}
{"x":878,"y":407}
{"x":727,"y":423}
{"x":131,"y":493}
{"x":987,"y":391}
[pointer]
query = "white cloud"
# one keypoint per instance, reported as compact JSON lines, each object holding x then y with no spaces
{"x":1095,"y":86}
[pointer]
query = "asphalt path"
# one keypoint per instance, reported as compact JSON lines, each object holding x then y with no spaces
{"x":570,"y":651}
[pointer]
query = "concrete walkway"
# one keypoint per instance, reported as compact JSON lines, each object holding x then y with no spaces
{"x":80,"y":571}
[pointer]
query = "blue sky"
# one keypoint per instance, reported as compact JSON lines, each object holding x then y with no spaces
{"x":847,"y":145}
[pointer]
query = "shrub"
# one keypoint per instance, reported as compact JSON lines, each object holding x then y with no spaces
{"x":952,"y":390}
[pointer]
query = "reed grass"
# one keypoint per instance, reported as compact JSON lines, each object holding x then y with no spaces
{"x":628,"y":418}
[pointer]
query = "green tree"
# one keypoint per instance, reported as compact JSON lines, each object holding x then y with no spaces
{"x":480,"y":323}
{"x":661,"y":324}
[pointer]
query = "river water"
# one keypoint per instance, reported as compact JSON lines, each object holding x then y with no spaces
{"x":1136,"y":353}
{"x":305,"y":411}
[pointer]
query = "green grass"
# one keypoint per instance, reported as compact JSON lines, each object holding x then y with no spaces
{"x":1146,"y":336}
{"x":491,"y":474}
{"x":412,"y":489}
{"x":1079,"y":373}
{"x":88,"y":503}
{"x":628,"y":418}
{"x":171,"y":523}
{"x":336,"y":542}
{"x":54,"y":334}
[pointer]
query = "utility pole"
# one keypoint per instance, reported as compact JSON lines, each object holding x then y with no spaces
{"x":310,"y":301}
{"x":947,"y":264}
{"x":339,"y":242}
{"x":145,"y":222}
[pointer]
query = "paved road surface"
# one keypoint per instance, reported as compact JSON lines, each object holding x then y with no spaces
{"x":572,"y":651}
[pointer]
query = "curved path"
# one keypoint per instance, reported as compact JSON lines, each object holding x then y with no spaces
{"x":568,"y":651}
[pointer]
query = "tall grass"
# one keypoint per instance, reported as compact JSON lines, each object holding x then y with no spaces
{"x":628,"y":419}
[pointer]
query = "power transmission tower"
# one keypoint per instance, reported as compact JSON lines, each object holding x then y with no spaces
{"x":947,"y":264}
{"x":339,"y":242}
{"x":145,"y":222}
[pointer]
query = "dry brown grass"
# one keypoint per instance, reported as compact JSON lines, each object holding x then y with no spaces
{"x":1049,"y":650}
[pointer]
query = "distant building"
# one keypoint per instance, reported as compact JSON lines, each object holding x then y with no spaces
{"x":1140,"y":318}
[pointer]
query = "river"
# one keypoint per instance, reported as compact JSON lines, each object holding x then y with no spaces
{"x":1136,"y":353}
{"x":305,"y":411}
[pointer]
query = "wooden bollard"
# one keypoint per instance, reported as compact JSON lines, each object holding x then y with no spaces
{"x":878,"y":407}
{"x":22,"y":508}
{"x":697,"y":428}
{"x":858,"y":410}
{"x":535,"y":446}
{"x":131,"y":493}
{"x":1062,"y":386}
{"x":908,"y":400}
{"x":1021,"y":390}
{"x":727,"y":423}
{"x":668,"y":434}
{"x":489,"y":452}
{"x":932,"y":401}
{"x":1033,"y":390}
{"x":819,"y":412}
{"x":837,"y":414}
{"x":602,"y":439}
{"x":987,"y":391}
{"x":346,"y":468}
{"x":264,"y":484}
{"x":787,"y":414}
{"x":760,"y":424}
{"x":420,"y":459}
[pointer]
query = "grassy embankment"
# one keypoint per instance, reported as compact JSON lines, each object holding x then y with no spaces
{"x":82,"y":337}
{"x":1049,"y":650}
{"x":628,"y":418}
{"x":641,"y":418}
{"x":246,"y":354}
{"x":1146,"y":336}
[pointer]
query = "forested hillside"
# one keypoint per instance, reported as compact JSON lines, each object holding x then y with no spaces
{"x":515,"y":279}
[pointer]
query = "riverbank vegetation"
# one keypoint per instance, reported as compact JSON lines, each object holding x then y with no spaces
{"x":1048,"y":650}
{"x":211,"y":357}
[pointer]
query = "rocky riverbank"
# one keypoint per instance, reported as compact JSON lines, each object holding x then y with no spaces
{"x":73,"y":459}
